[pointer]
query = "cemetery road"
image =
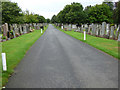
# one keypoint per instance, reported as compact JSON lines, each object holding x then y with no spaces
{"x":58,"y":60}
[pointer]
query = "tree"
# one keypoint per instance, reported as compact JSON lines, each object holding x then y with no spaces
{"x":109,"y":3}
{"x":48,"y":20}
{"x":118,"y":12}
{"x":41,"y":19}
{"x":86,"y":10}
{"x":30,"y":18}
{"x":53,"y":20}
{"x":116,"y":15}
{"x":11,"y":13}
{"x":100,"y":13}
{"x":72,"y":14}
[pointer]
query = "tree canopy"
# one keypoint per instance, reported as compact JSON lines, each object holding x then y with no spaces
{"x":100,"y":13}
{"x":116,"y":15}
{"x":12,"y":13}
{"x":48,"y":20}
{"x":75,"y":14}
{"x":54,"y":20}
{"x":71,"y":14}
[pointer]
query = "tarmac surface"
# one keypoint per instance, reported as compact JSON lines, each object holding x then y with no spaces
{"x":58,"y":60}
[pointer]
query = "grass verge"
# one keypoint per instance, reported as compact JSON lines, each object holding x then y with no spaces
{"x":0,"y":66}
{"x":16,"y":49}
{"x":107,"y":45}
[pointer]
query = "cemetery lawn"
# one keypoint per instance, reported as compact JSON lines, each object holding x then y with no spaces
{"x":0,"y":66}
{"x":107,"y":45}
{"x":16,"y":49}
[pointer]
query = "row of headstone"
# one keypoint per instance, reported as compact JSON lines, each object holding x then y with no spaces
{"x":100,"y":30}
{"x":11,"y":31}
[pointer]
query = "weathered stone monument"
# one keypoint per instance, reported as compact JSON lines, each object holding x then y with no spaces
{"x":89,"y":29}
{"x":74,"y":27}
{"x":117,"y":33}
{"x":82,"y":27}
{"x":38,"y":26}
{"x":107,"y":30}
{"x":24,"y":29}
{"x":97,"y":29}
{"x":112,"y":32}
{"x":20,"y":27}
{"x":69,"y":27}
{"x":5,"y":30}
{"x":103,"y":29}
{"x":93,"y":29}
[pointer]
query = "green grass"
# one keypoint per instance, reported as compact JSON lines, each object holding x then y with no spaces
{"x":0,"y":66}
{"x":107,"y":45}
{"x":16,"y":49}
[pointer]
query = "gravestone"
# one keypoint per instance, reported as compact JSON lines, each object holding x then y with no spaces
{"x":82,"y":27}
{"x":112,"y":32}
{"x":27,"y":28}
{"x":11,"y":31}
{"x":93,"y":28}
{"x":89,"y":29}
{"x":119,"y":37}
{"x":86,"y":28}
{"x":20,"y":27}
{"x":97,"y":30}
{"x":14,"y":32}
{"x":5,"y":29}
{"x":117,"y":32}
{"x":115,"y":26}
{"x":41,"y":26}
{"x":31,"y":25}
{"x":16,"y":29}
{"x":74,"y":27}
{"x":24,"y":29}
{"x":107,"y":30}
{"x":103,"y":29}
{"x":38,"y":26}
{"x":69,"y":27}
{"x":35,"y":26}
{"x":65,"y":27}
{"x":79,"y":29}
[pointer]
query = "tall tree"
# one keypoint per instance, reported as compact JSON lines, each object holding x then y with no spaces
{"x":72,"y":14}
{"x":100,"y":13}
{"x":30,"y":18}
{"x":53,"y":20}
{"x":117,"y":19}
{"x":48,"y":20}
{"x":11,"y":13}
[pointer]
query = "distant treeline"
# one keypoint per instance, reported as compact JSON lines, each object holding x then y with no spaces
{"x":12,"y":13}
{"x":75,"y":14}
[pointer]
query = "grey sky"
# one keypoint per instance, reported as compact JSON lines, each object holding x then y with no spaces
{"x":48,"y":8}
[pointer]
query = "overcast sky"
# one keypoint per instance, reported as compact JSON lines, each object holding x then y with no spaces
{"x":48,"y":8}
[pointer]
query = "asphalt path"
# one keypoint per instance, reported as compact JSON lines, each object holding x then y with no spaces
{"x":58,"y":60}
